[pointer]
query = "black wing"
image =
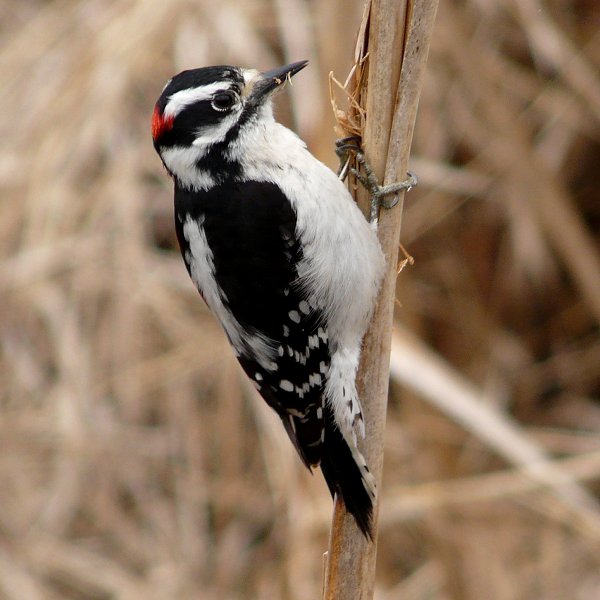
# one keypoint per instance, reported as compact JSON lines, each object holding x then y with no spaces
{"x":250,"y":228}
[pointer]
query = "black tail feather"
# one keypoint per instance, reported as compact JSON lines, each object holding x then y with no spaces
{"x":344,"y":478}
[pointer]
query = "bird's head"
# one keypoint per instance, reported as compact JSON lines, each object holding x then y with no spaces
{"x":202,"y":111}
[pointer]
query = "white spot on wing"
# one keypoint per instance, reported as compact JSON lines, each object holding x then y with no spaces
{"x":286,"y":386}
{"x":296,"y":413}
{"x":314,"y":379}
{"x":294,"y":315}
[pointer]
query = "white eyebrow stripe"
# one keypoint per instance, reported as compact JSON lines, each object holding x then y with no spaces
{"x":179,"y":100}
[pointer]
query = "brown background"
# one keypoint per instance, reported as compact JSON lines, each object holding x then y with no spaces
{"x":136,"y":462}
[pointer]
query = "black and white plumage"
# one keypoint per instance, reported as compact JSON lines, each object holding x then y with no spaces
{"x":281,"y":255}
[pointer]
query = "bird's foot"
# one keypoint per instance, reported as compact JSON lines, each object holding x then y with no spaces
{"x":377,"y":192}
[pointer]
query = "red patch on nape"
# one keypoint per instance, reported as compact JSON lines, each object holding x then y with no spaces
{"x":160,"y":123}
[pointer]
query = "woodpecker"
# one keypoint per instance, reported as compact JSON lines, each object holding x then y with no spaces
{"x":281,"y":255}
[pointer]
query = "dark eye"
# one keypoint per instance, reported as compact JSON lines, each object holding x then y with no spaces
{"x":223,"y":101}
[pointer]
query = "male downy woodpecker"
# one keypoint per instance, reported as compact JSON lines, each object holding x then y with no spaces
{"x":282,"y":256}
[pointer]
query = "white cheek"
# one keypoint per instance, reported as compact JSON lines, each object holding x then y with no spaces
{"x":207,"y":136}
{"x":182,"y":163}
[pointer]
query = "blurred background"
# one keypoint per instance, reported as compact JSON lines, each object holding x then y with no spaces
{"x":136,"y":462}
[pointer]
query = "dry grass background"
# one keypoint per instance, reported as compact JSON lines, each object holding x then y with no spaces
{"x":136,"y":462}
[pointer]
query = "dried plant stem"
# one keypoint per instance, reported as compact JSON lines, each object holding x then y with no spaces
{"x":398,"y":41}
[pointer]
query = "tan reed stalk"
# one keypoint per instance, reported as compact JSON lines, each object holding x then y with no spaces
{"x":397,"y":46}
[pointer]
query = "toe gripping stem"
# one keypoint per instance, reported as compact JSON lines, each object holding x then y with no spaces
{"x":368,"y":179}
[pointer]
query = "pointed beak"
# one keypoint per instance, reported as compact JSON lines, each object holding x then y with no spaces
{"x":271,"y":80}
